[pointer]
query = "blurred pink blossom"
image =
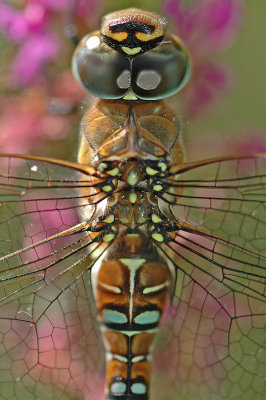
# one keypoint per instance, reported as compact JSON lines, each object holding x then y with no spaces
{"x":206,"y":27}
{"x":33,"y":123}
{"x":17,"y":25}
{"x":33,"y":29}
{"x":29,"y":28}
{"x":252,"y":142}
{"x":31,"y":58}
{"x":81,"y":7}
{"x":209,"y":81}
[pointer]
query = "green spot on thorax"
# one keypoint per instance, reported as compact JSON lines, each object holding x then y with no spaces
{"x":108,"y":237}
{"x":107,"y":188}
{"x":157,"y":188}
{"x":102,"y":167}
{"x":158,"y":237}
{"x":162,"y":166}
{"x":151,"y":171}
{"x":133,"y":197}
{"x":113,"y":172}
{"x":132,"y":178}
{"x":109,"y":219}
{"x":155,"y":219}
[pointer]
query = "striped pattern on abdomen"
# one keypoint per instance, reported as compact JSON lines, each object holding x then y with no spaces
{"x":131,"y":292}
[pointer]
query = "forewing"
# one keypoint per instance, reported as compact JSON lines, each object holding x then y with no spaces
{"x":49,"y":341}
{"x":214,"y":339}
{"x":225,"y":197}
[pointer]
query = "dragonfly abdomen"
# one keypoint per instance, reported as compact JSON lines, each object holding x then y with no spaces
{"x":131,"y":289}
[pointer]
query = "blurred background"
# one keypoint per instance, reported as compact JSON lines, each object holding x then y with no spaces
{"x":222,"y":107}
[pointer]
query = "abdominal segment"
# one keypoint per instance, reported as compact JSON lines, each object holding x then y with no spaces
{"x":131,"y":291}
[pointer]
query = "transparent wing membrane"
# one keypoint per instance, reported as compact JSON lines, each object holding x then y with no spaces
{"x":50,"y":348}
{"x":213,"y":340}
{"x":214,"y":330}
{"x":225,"y":197}
{"x":215,"y":327}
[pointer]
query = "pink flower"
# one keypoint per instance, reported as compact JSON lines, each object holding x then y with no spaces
{"x":206,"y":27}
{"x":209,"y":81}
{"x":37,"y":45}
{"x":208,"y":24}
{"x":80,"y":7}
{"x":32,"y":57}
{"x":17,"y":25}
{"x":33,"y":29}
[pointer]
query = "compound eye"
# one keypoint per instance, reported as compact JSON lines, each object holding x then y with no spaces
{"x":162,"y":71}
{"x":101,"y":70}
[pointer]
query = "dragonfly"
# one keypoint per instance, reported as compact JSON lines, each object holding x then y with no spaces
{"x":132,"y":274}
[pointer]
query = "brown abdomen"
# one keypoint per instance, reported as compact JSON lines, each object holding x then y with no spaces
{"x":131,"y":287}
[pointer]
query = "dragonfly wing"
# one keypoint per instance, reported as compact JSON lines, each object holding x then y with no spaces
{"x":49,"y":341}
{"x":214,"y":340}
{"x":225,"y":197}
{"x":44,"y":221}
{"x":51,"y":347}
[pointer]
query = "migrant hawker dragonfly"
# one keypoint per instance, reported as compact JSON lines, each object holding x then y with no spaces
{"x":132,"y":236}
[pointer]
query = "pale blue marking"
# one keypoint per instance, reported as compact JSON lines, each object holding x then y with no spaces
{"x":147,"y":317}
{"x":113,"y":316}
{"x":138,"y":388}
{"x":118,"y":388}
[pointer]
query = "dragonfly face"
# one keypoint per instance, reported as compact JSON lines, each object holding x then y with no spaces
{"x":131,"y":58}
{"x":136,"y":239}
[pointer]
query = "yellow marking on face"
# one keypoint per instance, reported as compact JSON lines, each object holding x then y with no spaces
{"x":133,"y":198}
{"x":108,"y":237}
{"x":131,"y":52}
{"x":155,"y":219}
{"x":156,"y":22}
{"x":146,"y":37}
{"x":157,"y":188}
{"x":158,"y":237}
{"x":151,"y":171}
{"x":113,"y":172}
{"x":118,"y":36}
{"x":109,"y":219}
{"x":107,"y":188}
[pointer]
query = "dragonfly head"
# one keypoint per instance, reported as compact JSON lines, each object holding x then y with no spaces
{"x":131,"y":58}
